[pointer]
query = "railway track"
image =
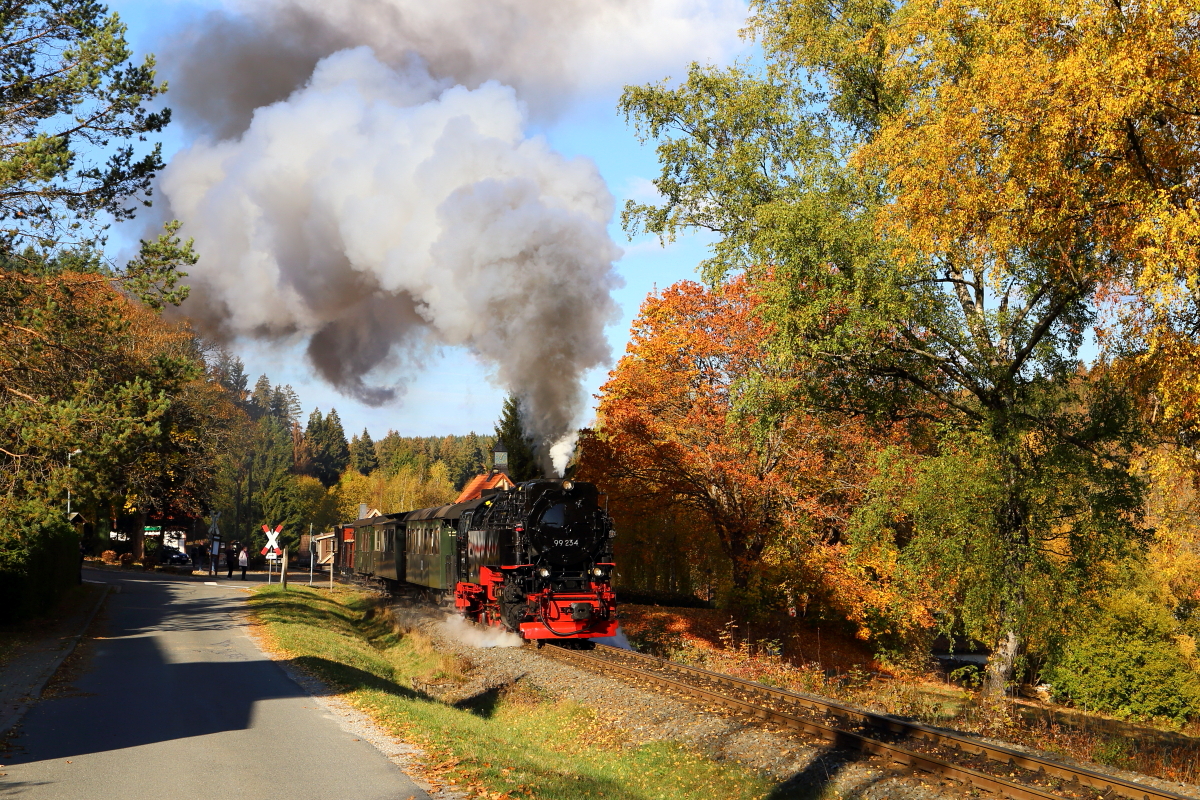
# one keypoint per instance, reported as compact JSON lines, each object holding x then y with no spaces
{"x":956,"y":756}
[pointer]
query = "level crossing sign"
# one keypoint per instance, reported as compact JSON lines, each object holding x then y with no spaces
{"x":272,"y":549}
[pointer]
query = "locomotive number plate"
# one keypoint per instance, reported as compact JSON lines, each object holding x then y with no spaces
{"x":566,"y":543}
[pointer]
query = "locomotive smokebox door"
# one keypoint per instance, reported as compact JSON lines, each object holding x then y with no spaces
{"x":580,"y":611}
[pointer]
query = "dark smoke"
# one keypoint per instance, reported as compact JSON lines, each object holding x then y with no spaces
{"x":364,"y":180}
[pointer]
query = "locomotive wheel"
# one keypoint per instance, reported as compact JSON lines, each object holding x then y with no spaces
{"x":512,"y":606}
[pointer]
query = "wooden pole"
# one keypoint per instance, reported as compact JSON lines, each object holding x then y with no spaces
{"x":283,"y":570}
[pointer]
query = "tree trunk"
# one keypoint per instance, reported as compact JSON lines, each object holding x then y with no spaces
{"x":744,"y":549}
{"x":1001,"y":667}
{"x":1013,"y":521}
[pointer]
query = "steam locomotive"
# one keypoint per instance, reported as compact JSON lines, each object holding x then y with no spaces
{"x":536,"y":559}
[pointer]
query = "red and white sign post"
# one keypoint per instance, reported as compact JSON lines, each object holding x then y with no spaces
{"x":271,"y":551}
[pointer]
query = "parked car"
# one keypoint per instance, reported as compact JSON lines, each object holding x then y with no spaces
{"x":174,"y":558}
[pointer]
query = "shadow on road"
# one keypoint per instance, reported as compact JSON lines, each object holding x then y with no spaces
{"x":167,"y":663}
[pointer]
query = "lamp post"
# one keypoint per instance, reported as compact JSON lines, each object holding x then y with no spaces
{"x":70,"y":453}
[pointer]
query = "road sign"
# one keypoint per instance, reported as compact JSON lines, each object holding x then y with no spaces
{"x":272,"y":547}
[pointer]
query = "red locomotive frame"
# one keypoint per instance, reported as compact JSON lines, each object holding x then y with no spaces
{"x":559,"y":615}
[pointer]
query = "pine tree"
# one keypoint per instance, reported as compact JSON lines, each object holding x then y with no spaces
{"x":362,"y":453}
{"x":260,"y":398}
{"x":327,"y":446}
{"x":338,"y":447}
{"x":301,"y":457}
{"x":230,"y":372}
{"x":285,"y":404}
{"x":314,"y":434}
{"x":522,"y":464}
{"x":468,"y":461}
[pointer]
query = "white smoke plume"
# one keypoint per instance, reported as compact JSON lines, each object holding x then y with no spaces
{"x":378,"y":213}
{"x":473,"y":635}
{"x":225,"y":64}
{"x":562,"y":450}
{"x":364,"y":182}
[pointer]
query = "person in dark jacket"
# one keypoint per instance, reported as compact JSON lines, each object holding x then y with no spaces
{"x":230,"y":556}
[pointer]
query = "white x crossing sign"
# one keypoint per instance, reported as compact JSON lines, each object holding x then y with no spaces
{"x":272,"y":539}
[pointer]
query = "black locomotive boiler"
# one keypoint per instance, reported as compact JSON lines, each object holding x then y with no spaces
{"x":536,"y":559}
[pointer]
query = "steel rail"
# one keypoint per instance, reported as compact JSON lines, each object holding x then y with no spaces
{"x":1077,"y":776}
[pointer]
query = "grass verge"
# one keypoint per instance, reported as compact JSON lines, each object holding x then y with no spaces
{"x":510,"y":743}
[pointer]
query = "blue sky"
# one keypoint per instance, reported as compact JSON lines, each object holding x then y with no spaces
{"x":453,"y":393}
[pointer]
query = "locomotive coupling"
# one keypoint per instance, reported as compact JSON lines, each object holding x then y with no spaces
{"x":581,"y":611}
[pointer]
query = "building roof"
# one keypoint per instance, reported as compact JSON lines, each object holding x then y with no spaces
{"x":481,"y":483}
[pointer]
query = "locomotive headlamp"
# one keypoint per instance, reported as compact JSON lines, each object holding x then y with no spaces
{"x":545,"y":573}
{"x":599,"y":573}
{"x":568,"y":486}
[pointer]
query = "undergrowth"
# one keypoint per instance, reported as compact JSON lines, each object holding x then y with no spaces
{"x":506,"y":742}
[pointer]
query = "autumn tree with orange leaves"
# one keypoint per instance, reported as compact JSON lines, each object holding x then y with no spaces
{"x":672,"y":431}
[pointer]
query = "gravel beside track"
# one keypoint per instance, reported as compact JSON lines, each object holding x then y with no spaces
{"x":641,"y":716}
{"x":947,"y":745}
{"x":648,"y":714}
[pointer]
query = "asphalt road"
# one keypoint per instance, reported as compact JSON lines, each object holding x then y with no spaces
{"x":176,"y":701}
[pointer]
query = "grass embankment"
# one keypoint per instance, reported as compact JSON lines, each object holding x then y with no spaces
{"x":507,"y":743}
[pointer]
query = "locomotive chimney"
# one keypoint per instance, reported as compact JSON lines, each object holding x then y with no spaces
{"x":500,"y":457}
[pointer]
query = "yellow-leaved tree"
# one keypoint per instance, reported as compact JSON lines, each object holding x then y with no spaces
{"x":1055,"y":139}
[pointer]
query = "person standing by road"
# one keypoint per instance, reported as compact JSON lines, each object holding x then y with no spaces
{"x":243,"y":562}
{"x":230,"y":555}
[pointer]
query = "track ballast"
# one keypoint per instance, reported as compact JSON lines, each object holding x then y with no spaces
{"x":949,"y":754}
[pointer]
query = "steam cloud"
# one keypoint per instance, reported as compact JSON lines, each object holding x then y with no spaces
{"x":472,"y":635}
{"x":364,"y":181}
{"x":226,"y":64}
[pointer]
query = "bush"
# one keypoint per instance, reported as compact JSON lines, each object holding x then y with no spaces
{"x":1127,"y":663}
{"x":39,"y":563}
{"x":109,"y":556}
{"x":126,"y":559}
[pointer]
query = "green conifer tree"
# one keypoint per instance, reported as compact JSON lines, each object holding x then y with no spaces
{"x":522,"y":463}
{"x":327,"y":446}
{"x":362,"y":453}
